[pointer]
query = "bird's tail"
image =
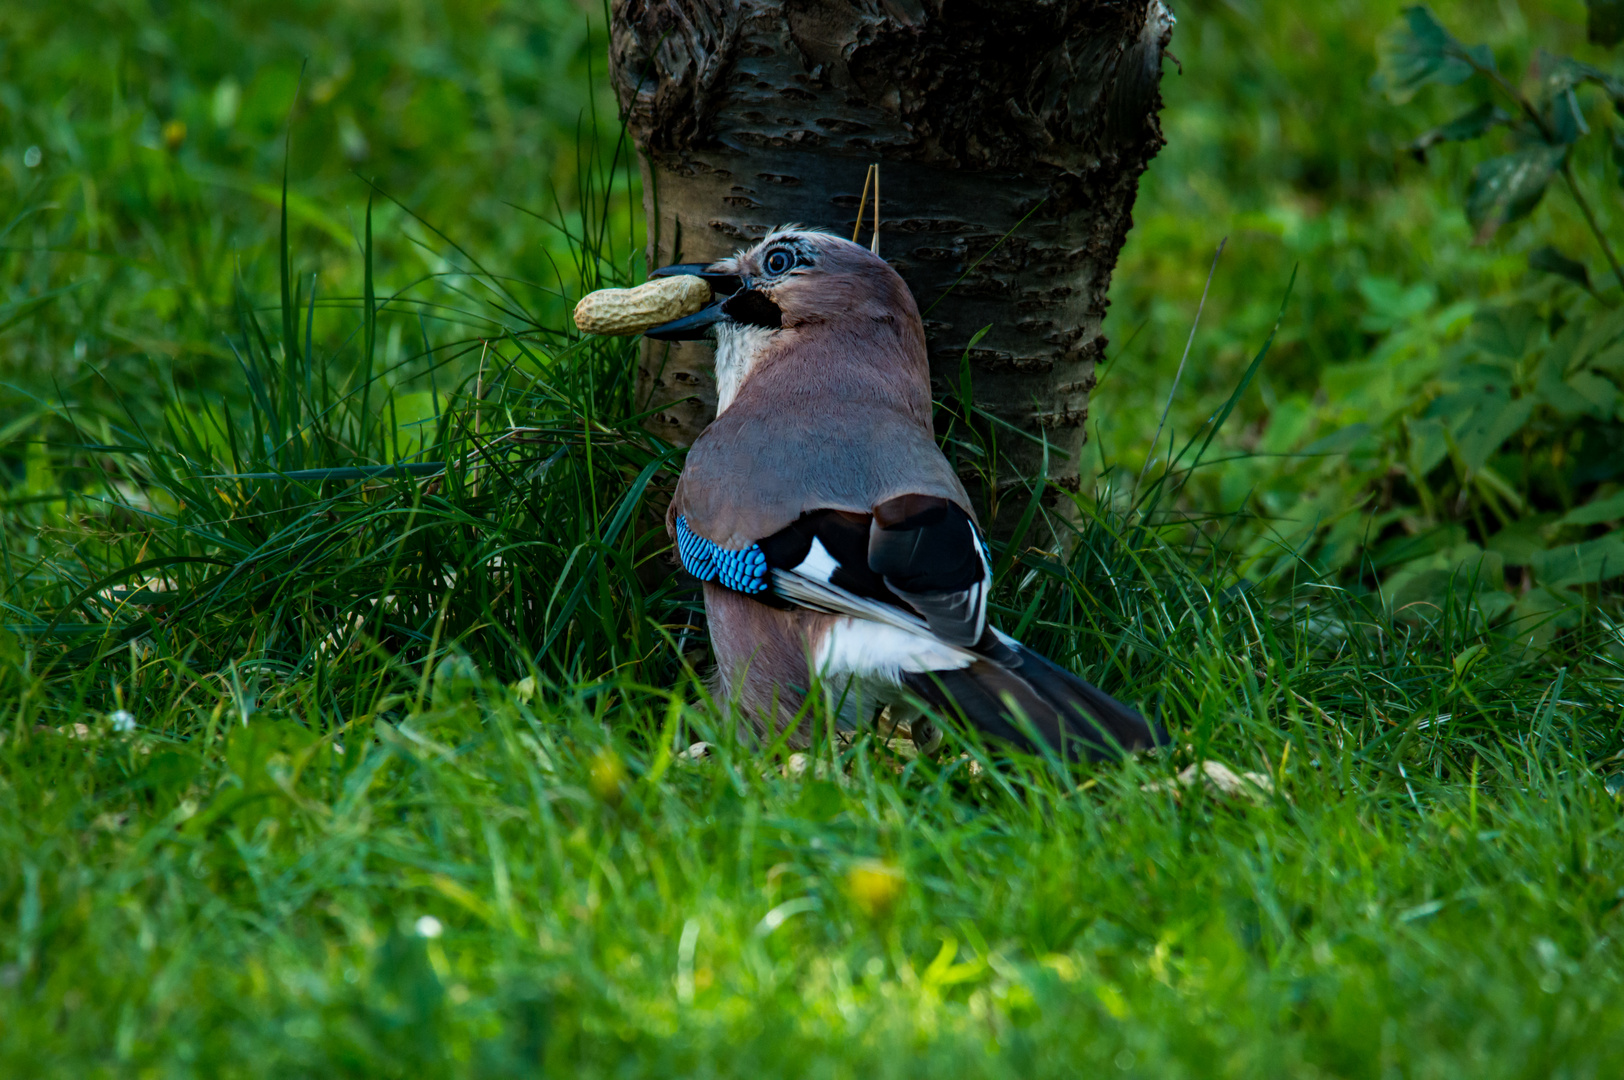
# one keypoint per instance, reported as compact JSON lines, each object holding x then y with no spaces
{"x":1067,"y":713}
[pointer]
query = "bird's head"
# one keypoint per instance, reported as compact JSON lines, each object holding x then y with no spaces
{"x":793,"y":280}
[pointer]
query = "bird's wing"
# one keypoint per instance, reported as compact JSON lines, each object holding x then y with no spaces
{"x":916,"y":563}
{"x":929,"y":553}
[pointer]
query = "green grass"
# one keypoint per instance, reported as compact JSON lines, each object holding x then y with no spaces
{"x":404,"y":793}
{"x":247,"y":902}
{"x":237,"y":887}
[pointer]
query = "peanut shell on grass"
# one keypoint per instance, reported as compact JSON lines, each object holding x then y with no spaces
{"x":631,"y":311}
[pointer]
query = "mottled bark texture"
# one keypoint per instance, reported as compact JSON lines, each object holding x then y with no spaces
{"x":981,"y":113}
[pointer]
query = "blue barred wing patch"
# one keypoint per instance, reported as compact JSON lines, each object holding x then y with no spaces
{"x":743,"y":571}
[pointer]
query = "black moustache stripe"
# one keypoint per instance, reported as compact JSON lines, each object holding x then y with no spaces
{"x":751,"y":308}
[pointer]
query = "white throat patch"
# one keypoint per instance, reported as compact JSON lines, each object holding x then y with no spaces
{"x":738,"y":349}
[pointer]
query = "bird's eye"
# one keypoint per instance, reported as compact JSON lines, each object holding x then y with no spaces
{"x":777,"y":262}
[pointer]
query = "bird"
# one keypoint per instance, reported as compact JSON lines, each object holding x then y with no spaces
{"x":835,"y":543}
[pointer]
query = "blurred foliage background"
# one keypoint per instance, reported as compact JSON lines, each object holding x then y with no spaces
{"x":1405,"y":430}
{"x":143,"y":144}
{"x":144,"y":147}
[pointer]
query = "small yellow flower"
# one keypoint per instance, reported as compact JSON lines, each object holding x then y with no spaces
{"x":874,"y":887}
{"x":174,"y":134}
{"x":607,"y":776}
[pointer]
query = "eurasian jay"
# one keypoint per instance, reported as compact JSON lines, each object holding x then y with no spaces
{"x":833,"y":538}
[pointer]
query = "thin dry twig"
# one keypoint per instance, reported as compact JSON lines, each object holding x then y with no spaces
{"x":870,"y":179}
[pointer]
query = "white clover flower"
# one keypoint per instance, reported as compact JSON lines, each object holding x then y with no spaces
{"x":123,"y":721}
{"x":429,"y":927}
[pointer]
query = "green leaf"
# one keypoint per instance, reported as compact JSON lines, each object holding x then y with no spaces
{"x":1428,"y":446}
{"x":1488,"y":429}
{"x":1506,"y":331}
{"x":1563,"y":352}
{"x":1472,"y":124}
{"x":1520,"y":541}
{"x":1609,"y":359}
{"x":1406,"y":549}
{"x":13,"y":313}
{"x":1427,"y":584}
{"x":1604,"y":24}
{"x":1493,"y":604}
{"x":1565,"y":118}
{"x":1467,"y":657}
{"x":1507,"y":188}
{"x":1600,"y":344}
{"x":1481,"y":415}
{"x":1391,"y":305}
{"x":1582,"y":564}
{"x":1539,"y":614}
{"x":1566,"y":400}
{"x":1599,"y":395}
{"x":1337,"y":442}
{"x":1597,"y":511}
{"x":1419,"y":51}
{"x":966,"y":385}
{"x":1557,"y":74}
{"x":1553,"y":261}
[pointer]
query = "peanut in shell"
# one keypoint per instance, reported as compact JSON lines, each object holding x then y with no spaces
{"x":631,"y":311}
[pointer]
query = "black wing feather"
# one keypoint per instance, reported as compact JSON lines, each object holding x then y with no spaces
{"x":844,"y":537}
{"x":917,"y":562}
{"x":924,"y":544}
{"x":1067,"y":713}
{"x":929,"y":554}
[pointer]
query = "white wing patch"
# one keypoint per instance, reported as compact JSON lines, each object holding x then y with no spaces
{"x":818,"y":564}
{"x":874,"y":651}
{"x":874,"y":644}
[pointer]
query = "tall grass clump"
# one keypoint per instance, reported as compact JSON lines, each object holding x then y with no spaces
{"x":421,"y":468}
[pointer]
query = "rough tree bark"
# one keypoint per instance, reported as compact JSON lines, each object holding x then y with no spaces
{"x":984,"y":115}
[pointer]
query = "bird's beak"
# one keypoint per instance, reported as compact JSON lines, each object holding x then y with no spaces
{"x":721,"y":284}
{"x":733,"y":301}
{"x":696,"y":326}
{"x":690,"y":327}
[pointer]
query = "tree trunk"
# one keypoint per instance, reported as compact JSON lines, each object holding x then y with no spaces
{"x":1010,"y":136}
